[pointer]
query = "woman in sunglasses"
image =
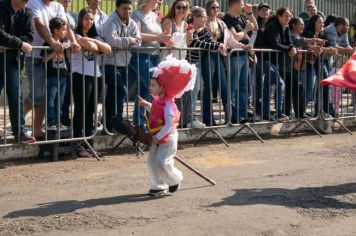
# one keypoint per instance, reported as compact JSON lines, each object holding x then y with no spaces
{"x":221,"y":34}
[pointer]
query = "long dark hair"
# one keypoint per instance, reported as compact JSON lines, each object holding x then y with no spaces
{"x":279,"y":12}
{"x":172,"y":11}
{"x":310,"y":27}
{"x":79,"y":29}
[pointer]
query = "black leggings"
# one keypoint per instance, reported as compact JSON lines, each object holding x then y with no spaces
{"x":84,"y":105}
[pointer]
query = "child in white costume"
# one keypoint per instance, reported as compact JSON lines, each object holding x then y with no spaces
{"x":170,"y":79}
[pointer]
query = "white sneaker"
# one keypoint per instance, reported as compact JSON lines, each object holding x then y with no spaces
{"x":196,"y":124}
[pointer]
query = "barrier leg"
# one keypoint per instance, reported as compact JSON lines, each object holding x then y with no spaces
{"x":216,"y":133}
{"x":308,"y":124}
{"x":251,"y":129}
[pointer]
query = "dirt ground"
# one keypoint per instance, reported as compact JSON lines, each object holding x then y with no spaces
{"x":302,"y":185}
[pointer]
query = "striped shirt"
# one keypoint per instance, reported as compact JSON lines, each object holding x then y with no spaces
{"x":201,"y":39}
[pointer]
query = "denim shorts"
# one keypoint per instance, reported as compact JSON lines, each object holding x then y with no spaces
{"x":37,"y":83}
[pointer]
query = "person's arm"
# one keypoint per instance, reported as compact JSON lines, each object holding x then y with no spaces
{"x":6,"y":39}
{"x":43,"y":32}
{"x":71,"y":37}
{"x":87,"y":43}
{"x":102,"y":46}
{"x":205,"y":41}
{"x":48,"y":57}
{"x":251,"y":18}
{"x":28,"y":29}
{"x":274,"y":38}
{"x":167,"y":26}
{"x":143,"y":103}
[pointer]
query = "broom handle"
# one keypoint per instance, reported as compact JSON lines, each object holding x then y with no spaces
{"x":195,"y":170}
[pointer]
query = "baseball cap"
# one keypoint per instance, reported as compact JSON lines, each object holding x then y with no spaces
{"x":261,"y":5}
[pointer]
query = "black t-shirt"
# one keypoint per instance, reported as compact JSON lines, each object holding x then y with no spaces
{"x":54,"y":64}
{"x":238,"y":23}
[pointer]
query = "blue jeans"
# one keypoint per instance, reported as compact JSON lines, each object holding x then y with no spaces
{"x":307,"y":78}
{"x":37,"y":92}
{"x":272,"y":77}
{"x":144,"y":62}
{"x":239,"y":82}
{"x":210,"y":72}
{"x":56,"y":87}
{"x":14,"y":95}
{"x":196,"y":89}
{"x":322,"y":72}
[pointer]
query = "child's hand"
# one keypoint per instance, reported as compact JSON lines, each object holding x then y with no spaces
{"x":155,"y":141}
{"x":142,"y":102}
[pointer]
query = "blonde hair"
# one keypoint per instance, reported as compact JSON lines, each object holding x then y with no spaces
{"x":215,"y":31}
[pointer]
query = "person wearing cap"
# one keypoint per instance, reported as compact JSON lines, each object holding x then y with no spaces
{"x":304,"y":15}
{"x":170,"y":79}
{"x":263,"y":14}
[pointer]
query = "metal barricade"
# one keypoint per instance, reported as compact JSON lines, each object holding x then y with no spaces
{"x":138,"y":63}
{"x":46,"y":87}
{"x":296,"y":89}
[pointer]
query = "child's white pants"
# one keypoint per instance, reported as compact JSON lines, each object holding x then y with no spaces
{"x":161,"y":170}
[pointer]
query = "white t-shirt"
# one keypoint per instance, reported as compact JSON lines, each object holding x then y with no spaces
{"x":46,"y":13}
{"x":89,"y":62}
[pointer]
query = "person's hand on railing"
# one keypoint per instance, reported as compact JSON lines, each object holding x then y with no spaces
{"x":330,"y":50}
{"x":292,"y":52}
{"x":76,"y":47}
{"x":57,"y":46}
{"x":132,"y":41}
{"x":26,"y":47}
{"x":222,"y":49}
{"x":247,"y":47}
{"x":317,"y":50}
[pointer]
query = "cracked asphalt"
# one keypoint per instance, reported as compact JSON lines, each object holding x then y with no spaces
{"x":301,"y":185}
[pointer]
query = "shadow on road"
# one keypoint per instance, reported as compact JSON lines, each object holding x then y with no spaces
{"x":63,"y":207}
{"x":338,"y":197}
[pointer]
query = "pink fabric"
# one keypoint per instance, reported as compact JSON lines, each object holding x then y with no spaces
{"x":345,"y":77}
{"x":157,"y":116}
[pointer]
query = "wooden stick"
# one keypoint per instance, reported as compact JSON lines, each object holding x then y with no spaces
{"x":195,"y":170}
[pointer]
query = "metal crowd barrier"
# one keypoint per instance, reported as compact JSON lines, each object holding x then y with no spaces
{"x":223,"y":99}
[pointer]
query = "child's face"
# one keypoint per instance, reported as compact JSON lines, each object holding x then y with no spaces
{"x":61,"y":32}
{"x":155,"y":87}
{"x":88,"y":21}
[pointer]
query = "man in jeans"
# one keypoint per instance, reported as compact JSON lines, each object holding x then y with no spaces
{"x":239,"y":26}
{"x":43,"y":12}
{"x":16,"y":32}
{"x":122,"y":32}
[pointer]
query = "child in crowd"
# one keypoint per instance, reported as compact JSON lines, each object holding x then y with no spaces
{"x":56,"y":73}
{"x":170,"y":80}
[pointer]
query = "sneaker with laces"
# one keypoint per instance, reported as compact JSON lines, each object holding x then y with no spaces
{"x":156,"y":192}
{"x":196,"y":124}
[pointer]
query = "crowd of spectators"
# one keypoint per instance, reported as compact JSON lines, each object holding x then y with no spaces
{"x":221,"y":45}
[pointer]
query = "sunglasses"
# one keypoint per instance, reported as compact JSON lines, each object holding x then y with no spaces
{"x":215,"y":8}
{"x":178,"y":7}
